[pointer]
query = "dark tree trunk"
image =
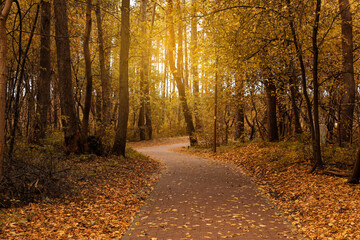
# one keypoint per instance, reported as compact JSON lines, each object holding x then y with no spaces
{"x":177,"y":75}
{"x":355,"y":176}
{"x":294,"y":97}
{"x":281,"y":109}
{"x":239,"y":109}
{"x":88,"y":74}
{"x":43,"y":93}
{"x":316,"y":147}
{"x":141,"y":120}
{"x":316,"y":144}
{"x":69,"y":120}
{"x":272,"y":128}
{"x":3,"y":80}
{"x":252,"y":127}
{"x":303,"y":80}
{"x":17,"y":106}
{"x":56,"y":102}
{"x":104,"y":73}
{"x":121,"y":130}
{"x":99,"y":128}
{"x":348,"y":95}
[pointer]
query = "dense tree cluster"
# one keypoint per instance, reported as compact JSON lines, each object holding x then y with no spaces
{"x":214,"y":70}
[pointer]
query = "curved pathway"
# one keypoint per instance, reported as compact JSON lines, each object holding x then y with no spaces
{"x":197,"y":198}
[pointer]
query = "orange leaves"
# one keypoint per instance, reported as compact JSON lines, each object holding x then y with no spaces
{"x":319,"y":206}
{"x":105,"y":197}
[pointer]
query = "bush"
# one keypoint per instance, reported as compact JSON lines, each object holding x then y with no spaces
{"x":34,"y":172}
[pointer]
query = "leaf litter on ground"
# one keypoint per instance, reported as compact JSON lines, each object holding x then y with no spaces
{"x":106,"y":194}
{"x":319,"y":206}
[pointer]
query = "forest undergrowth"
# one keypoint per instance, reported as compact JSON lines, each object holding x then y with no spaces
{"x":319,"y":206}
{"x":86,"y":196}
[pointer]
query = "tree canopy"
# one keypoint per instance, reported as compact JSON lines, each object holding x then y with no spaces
{"x":281,"y":69}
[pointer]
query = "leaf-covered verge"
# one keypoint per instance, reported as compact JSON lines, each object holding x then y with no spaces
{"x":320,"y":206}
{"x":158,"y":141}
{"x":105,"y":194}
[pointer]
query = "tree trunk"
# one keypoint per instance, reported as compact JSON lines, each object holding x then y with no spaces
{"x":147,"y":105}
{"x":88,"y":74}
{"x":104,"y":73}
{"x":148,"y":78}
{"x":22,"y":69}
{"x":43,"y":93}
{"x":186,"y":59}
{"x":294,"y":96}
{"x":141,"y":120}
{"x":180,"y":49}
{"x":177,"y":76}
{"x":272,"y":128}
{"x":69,"y":120}
{"x":355,"y":176}
{"x":121,"y":131}
{"x":32,"y":121}
{"x":281,"y":105}
{"x":3,"y":80}
{"x":215,"y":104}
{"x":143,"y":70}
{"x":252,"y":127}
{"x":299,"y":54}
{"x":165,"y":88}
{"x":316,"y":148}
{"x":239,"y":109}
{"x":56,"y":103}
{"x":194,"y":64}
{"x":348,"y":95}
{"x":98,"y":125}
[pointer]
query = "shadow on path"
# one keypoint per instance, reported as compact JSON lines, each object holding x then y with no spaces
{"x":197,"y":198}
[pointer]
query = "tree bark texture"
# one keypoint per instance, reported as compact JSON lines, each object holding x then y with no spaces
{"x":121,"y":130}
{"x":355,"y":176}
{"x":281,"y":106}
{"x":348,"y":95}
{"x":69,"y":119}
{"x":239,"y":109}
{"x":294,"y":97}
{"x":88,"y":73}
{"x":309,"y":107}
{"x":3,"y":80}
{"x":43,"y":93}
{"x":316,"y":145}
{"x":177,"y":76}
{"x":104,"y":73}
{"x":143,"y":71}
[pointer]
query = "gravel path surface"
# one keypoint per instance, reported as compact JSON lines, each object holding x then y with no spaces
{"x":198,"y":198}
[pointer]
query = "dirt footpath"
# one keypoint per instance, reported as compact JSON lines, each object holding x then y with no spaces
{"x":197,"y":198}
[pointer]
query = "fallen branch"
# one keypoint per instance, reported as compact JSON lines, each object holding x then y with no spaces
{"x":337,"y":173}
